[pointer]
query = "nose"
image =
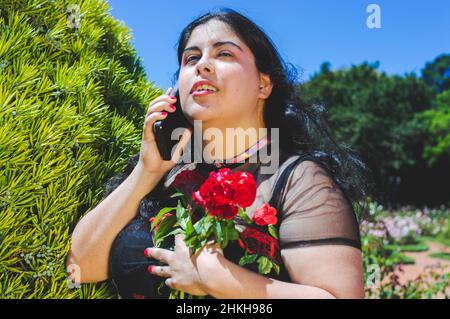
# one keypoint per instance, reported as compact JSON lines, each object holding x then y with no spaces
{"x":203,"y":66}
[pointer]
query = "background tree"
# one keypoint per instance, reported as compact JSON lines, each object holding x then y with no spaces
{"x":437,"y":73}
{"x":438,"y":124}
{"x":376,"y":115}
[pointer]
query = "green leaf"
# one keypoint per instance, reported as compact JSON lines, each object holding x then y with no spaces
{"x":159,"y":215}
{"x":181,"y":211}
{"x":198,"y":245}
{"x":226,"y":235}
{"x":176,"y":231}
{"x":164,"y":228}
{"x":161,"y":286}
{"x":218,"y":231}
{"x":233,"y":233}
{"x":189,"y":228}
{"x":247,"y":259}
{"x":273,"y":231}
{"x":182,"y":198}
{"x":203,"y":229}
{"x":192,"y":240}
{"x":198,"y":226}
{"x":243,"y":215}
{"x":182,"y":223}
{"x":276,"y":268}
{"x":264,"y":265}
{"x":206,"y":227}
{"x":177,"y":194}
{"x":182,"y":216}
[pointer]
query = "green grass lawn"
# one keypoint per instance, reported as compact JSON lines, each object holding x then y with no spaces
{"x":445,"y":256}
{"x":411,"y":248}
{"x":424,"y":239}
{"x":402,"y":259}
{"x":437,"y":240}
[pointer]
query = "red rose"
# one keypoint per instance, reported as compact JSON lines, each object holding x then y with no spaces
{"x":223,"y":191}
{"x":260,"y":243}
{"x":245,"y":188}
{"x":265,"y":215}
{"x":188,"y":181}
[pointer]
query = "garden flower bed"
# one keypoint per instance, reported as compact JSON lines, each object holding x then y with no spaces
{"x":406,"y":252}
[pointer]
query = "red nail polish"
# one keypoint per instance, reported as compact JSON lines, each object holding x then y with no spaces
{"x":150,"y":269}
{"x":145,"y":252}
{"x":172,"y":97}
{"x":173,"y":107}
{"x":164,"y":113}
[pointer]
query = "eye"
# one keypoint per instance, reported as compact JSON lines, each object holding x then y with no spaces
{"x":191,"y":58}
{"x":188,"y":59}
{"x":225,"y":53}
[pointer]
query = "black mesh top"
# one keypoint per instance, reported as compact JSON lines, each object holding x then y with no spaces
{"x":311,"y":210}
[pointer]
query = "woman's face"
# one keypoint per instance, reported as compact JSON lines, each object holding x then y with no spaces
{"x":231,"y":69}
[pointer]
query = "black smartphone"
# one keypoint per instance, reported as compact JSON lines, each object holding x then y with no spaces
{"x":163,"y":128}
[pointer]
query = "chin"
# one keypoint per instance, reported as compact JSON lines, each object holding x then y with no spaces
{"x":200,"y":116}
{"x":198,"y":112}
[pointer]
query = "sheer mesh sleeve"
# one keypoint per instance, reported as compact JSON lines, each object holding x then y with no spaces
{"x":315,"y":210}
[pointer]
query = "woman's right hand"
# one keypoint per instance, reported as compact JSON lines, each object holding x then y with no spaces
{"x":149,"y":156}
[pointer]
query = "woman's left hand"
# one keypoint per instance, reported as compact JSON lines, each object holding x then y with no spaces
{"x":181,"y":270}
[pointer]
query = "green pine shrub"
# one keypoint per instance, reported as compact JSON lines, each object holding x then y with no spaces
{"x":72,"y":101}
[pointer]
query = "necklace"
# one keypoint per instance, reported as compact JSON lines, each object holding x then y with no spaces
{"x":244,"y":155}
{"x":234,"y":162}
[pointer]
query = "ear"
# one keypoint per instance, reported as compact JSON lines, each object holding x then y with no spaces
{"x":265,"y":86}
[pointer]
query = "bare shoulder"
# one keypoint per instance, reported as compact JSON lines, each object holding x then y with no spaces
{"x":318,"y":265}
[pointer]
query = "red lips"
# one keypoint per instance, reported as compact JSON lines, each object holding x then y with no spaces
{"x":202,"y":82}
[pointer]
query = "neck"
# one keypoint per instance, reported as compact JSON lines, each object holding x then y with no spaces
{"x":229,"y":138}
{"x":221,"y":144}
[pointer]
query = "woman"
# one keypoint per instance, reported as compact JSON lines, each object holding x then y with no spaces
{"x":313,"y":188}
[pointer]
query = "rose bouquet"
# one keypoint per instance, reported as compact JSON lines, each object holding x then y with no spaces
{"x":213,"y":210}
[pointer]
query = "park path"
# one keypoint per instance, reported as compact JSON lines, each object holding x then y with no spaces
{"x":423,"y":263}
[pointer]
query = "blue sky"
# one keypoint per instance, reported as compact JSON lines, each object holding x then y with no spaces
{"x":306,"y":32}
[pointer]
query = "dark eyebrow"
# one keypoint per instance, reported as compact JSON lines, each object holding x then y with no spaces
{"x":215,"y":45}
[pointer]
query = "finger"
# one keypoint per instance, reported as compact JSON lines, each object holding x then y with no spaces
{"x":161,"y":106}
{"x":160,"y":271}
{"x":148,"y":125}
{"x":163,"y":255}
{"x":164,"y":97}
{"x":179,"y":149}
{"x":179,"y":241}
{"x":169,"y":283}
{"x":161,"y":99}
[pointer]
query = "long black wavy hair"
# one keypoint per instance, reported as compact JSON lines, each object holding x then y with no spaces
{"x":302,"y":126}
